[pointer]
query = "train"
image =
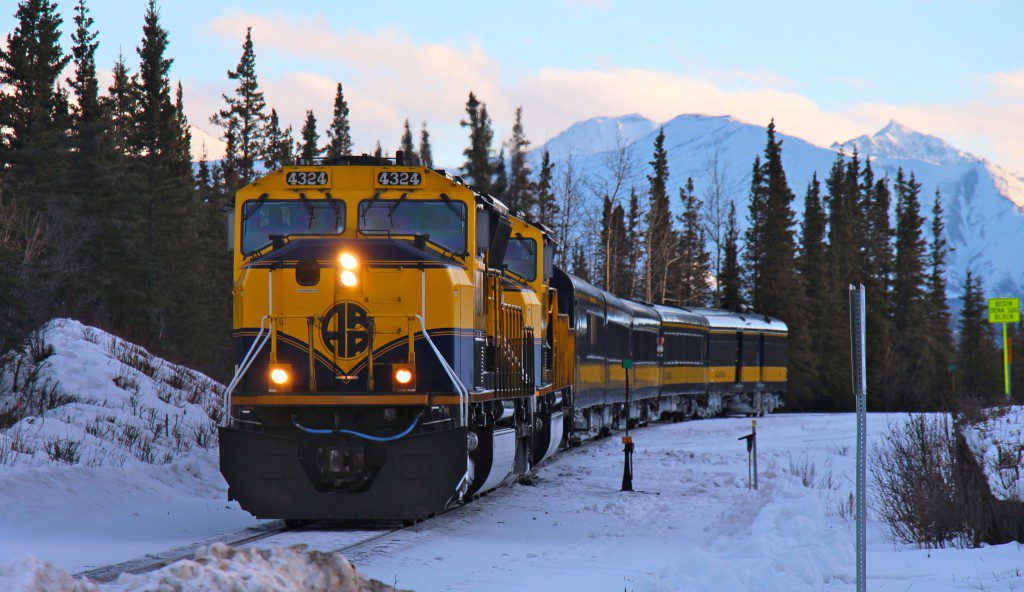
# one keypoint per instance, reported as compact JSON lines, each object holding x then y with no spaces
{"x":404,"y":344}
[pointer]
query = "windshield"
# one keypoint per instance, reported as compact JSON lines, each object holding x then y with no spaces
{"x":261,"y":220}
{"x":443,"y":222}
{"x":521,"y":258}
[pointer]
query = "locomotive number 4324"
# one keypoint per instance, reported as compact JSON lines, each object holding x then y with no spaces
{"x":399,"y":179}
{"x":307,"y":178}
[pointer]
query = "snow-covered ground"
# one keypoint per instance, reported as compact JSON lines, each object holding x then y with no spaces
{"x":125,"y":466}
{"x":692,"y":524}
{"x":80,"y":488}
{"x":998,"y":443}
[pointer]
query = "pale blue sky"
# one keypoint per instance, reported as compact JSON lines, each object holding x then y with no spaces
{"x":825,"y":70}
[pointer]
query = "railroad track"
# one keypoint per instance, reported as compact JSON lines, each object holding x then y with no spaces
{"x":327,"y":539}
{"x":154,"y":561}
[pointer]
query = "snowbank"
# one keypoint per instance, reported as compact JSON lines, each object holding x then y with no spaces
{"x":106,"y":451}
{"x":217,"y":567}
{"x":998,"y":443}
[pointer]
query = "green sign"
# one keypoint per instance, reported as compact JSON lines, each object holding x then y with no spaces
{"x":1004,"y":310}
{"x":627,"y":363}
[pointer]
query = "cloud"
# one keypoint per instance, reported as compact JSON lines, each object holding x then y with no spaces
{"x":591,"y":4}
{"x":389,"y":76}
{"x":853,"y":81}
{"x":557,"y":97}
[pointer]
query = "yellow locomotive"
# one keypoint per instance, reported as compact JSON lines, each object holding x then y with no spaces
{"x":403,"y":343}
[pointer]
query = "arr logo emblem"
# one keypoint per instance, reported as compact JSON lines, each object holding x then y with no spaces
{"x":347,"y":327}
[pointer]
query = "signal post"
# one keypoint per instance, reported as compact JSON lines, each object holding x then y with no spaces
{"x":1004,"y":310}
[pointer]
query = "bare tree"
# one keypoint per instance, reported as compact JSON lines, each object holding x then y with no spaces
{"x":715,"y":216}
{"x":571,"y":215}
{"x":619,"y":171}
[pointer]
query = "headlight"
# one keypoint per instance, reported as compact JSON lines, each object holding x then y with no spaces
{"x":348,"y":261}
{"x":404,"y":378}
{"x":279,"y":375}
{"x":348,"y":278}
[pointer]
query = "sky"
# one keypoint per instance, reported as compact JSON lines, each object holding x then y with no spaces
{"x":825,"y":70}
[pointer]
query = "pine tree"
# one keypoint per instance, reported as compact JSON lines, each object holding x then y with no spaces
{"x":813,"y":272}
{"x":909,"y":297}
{"x":406,"y":144}
{"x":426,"y":152}
{"x":378,"y":151}
{"x":520,"y":193}
{"x":660,"y":240}
{"x":774,"y":292}
{"x":840,"y":254}
{"x":339,"y":139}
{"x":478,"y":166}
{"x":172,"y":219}
{"x":606,"y":238}
{"x":34,"y":120}
{"x":876,"y":275}
{"x":580,"y":268}
{"x":634,"y":244}
{"x":940,"y":339}
{"x":978,"y":359}
{"x":731,"y":277}
{"x":754,"y":242}
{"x":547,"y":205}
{"x":499,"y":182}
{"x":280,"y":144}
{"x":694,"y":259}
{"x":120,"y":106}
{"x":244,"y":116}
{"x":310,"y":138}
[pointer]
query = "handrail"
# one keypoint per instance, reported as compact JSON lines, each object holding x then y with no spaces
{"x":243,"y":367}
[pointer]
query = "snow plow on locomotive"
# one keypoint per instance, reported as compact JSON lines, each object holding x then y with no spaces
{"x":403,"y":343}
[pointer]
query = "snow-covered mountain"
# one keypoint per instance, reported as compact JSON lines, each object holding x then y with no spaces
{"x":984,"y":204}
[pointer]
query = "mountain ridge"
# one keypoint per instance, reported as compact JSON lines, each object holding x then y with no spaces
{"x":983,"y":203}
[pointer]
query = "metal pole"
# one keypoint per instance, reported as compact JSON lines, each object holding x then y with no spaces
{"x":860,"y":388}
{"x":753,"y":434}
{"x":1006,"y":364}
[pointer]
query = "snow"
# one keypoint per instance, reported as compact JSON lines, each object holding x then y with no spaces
{"x":692,"y":526}
{"x":216,"y":567}
{"x":983,"y":203}
{"x":693,"y":523}
{"x":146,"y":476}
{"x":997,"y":441}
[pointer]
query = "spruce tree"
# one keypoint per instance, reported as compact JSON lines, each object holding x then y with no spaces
{"x":378,"y":150}
{"x":730,"y":279}
{"x":775,"y":294}
{"x":34,"y":120}
{"x":910,"y":334}
{"x":547,"y":204}
{"x":876,"y":275}
{"x":172,"y":228}
{"x":754,"y":237}
{"x":979,"y":361}
{"x":813,"y":273}
{"x":634,"y":243}
{"x":478,"y":167}
{"x":580,"y":267}
{"x":694,"y":259}
{"x":426,"y":152}
{"x":339,"y":138}
{"x":310,"y":139}
{"x":406,"y":144}
{"x":520,"y":192}
{"x":280,"y":144}
{"x":244,"y":116}
{"x":606,"y":238}
{"x":940,"y":339}
{"x":499,"y":182}
{"x":660,"y":240}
